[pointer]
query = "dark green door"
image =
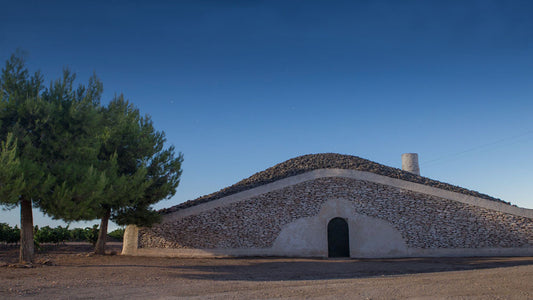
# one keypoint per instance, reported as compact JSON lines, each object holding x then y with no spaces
{"x":338,"y":240}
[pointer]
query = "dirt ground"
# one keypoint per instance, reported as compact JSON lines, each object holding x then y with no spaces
{"x":69,"y":272}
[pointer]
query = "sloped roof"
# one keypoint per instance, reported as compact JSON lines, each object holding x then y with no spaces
{"x":306,"y":163}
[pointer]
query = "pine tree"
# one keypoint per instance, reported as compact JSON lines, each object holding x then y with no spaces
{"x":49,"y":139}
{"x":11,"y":177}
{"x":65,"y":154}
{"x":145,"y":171}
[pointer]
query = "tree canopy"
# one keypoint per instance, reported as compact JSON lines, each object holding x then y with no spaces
{"x":64,"y":153}
{"x":48,"y":136}
{"x":145,"y":171}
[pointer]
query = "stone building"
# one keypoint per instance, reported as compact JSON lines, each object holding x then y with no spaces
{"x":334,"y":205}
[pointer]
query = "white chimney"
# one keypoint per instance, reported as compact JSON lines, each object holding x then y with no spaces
{"x":410,"y":163}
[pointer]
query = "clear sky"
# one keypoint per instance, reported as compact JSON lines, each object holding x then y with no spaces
{"x":239,"y":86}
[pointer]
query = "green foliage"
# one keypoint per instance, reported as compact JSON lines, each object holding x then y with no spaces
{"x":78,"y":234}
{"x":146,"y":171}
{"x":47,"y":234}
{"x":91,"y":234}
{"x":57,"y":235}
{"x":8,"y":234}
{"x":11,"y":176}
{"x":50,"y":140}
{"x":23,"y":119}
{"x":117,"y":234}
{"x":87,"y":234}
{"x":64,"y":153}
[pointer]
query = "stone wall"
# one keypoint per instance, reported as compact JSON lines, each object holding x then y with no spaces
{"x":310,"y":162}
{"x":424,"y":221}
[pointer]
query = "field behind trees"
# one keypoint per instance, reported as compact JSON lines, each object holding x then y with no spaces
{"x":57,"y":235}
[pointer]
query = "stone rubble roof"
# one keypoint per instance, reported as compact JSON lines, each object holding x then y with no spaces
{"x":306,"y":163}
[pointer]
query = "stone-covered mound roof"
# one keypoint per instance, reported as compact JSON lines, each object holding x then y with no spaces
{"x":306,"y":163}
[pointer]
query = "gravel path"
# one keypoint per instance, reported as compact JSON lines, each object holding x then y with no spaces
{"x":77,"y":275}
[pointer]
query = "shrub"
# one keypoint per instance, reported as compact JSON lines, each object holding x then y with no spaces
{"x":117,"y":234}
{"x":61,"y":234}
{"x":78,"y":235}
{"x":91,"y":234}
{"x":9,"y":235}
{"x":47,"y":234}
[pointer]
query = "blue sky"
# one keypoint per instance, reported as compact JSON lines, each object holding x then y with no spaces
{"x":239,"y":86}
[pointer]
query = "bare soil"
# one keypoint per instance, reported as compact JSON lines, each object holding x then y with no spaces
{"x":71,"y":272}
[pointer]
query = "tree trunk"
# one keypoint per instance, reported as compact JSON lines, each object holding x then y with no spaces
{"x":26,"y":232}
{"x":102,"y":234}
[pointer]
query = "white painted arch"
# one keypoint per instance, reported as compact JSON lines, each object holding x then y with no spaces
{"x":369,"y":237}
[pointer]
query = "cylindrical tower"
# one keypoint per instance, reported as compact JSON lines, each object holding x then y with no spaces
{"x":410,"y":163}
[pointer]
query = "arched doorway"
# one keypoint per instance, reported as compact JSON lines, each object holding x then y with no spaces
{"x":338,"y":238}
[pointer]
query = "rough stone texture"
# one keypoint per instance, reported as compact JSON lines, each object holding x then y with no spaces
{"x":311,"y":162}
{"x":424,"y":221}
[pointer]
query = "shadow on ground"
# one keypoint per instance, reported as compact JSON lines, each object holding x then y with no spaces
{"x":286,"y":269}
{"x":341,"y":269}
{"x":260,"y":268}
